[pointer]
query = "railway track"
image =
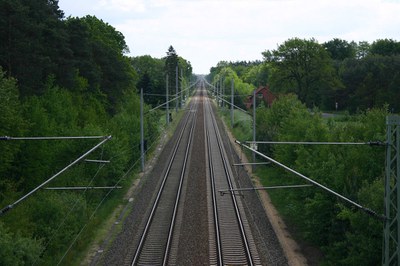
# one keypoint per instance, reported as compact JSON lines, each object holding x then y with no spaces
{"x":156,"y":240}
{"x":230,"y":240}
{"x":178,"y":215}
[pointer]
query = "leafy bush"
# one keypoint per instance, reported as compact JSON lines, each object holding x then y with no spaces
{"x":345,"y":235}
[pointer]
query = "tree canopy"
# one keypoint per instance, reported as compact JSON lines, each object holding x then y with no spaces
{"x":67,"y":77}
{"x":303,"y":67}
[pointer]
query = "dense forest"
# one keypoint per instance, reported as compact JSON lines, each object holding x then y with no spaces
{"x":335,"y":75}
{"x":360,"y":84}
{"x":69,"y":77}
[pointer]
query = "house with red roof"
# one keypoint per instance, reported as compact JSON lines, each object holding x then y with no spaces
{"x":263,"y":93}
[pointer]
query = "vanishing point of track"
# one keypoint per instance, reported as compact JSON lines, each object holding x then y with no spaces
{"x":229,"y":237}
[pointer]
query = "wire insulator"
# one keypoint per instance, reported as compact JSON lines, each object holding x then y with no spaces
{"x":374,"y":214}
{"x":5,"y":209}
{"x":5,"y":138}
{"x":376,"y":143}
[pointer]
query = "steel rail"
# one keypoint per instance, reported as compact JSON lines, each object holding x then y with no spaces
{"x":235,"y":207}
{"x":183,"y":172}
{"x":213,"y":195}
{"x":229,"y":179}
{"x":160,"y":191}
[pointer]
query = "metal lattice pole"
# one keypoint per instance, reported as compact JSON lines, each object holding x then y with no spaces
{"x":391,"y":254}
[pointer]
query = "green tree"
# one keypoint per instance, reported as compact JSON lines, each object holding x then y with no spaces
{"x":305,"y":68}
{"x":18,"y":250}
{"x":107,"y":49}
{"x":11,"y":121}
{"x":171,"y":62}
{"x":370,"y":82}
{"x":386,"y":47}
{"x":362,"y":49}
{"x":340,"y":49}
{"x":258,"y":75}
{"x":241,"y":89}
{"x":346,"y":236}
{"x":33,"y":42}
{"x":151,"y":72}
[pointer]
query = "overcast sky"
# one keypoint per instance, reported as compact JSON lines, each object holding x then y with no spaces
{"x":205,"y":32}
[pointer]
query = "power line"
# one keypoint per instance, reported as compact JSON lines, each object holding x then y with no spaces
{"x":366,"y":210}
{"x":51,"y":138}
{"x":80,"y":188}
{"x":370,"y":143}
{"x":134,"y":164}
{"x":97,"y":208}
{"x":9,"y":207}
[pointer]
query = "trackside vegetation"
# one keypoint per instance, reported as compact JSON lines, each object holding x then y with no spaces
{"x":337,"y":91}
{"x":68,"y":77}
{"x":342,"y":234}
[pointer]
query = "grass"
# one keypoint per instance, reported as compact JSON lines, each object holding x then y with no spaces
{"x":242,"y":126}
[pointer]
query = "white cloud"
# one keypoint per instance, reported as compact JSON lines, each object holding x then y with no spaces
{"x":123,"y":5}
{"x":206,"y":31}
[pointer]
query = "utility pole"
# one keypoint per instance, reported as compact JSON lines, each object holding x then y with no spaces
{"x":254,"y":128}
{"x":222,"y":93}
{"x":391,"y":254}
{"x":141,"y":131}
{"x":219,"y":92}
{"x":176,"y":87}
{"x":167,"y":99}
{"x":181,"y":87}
{"x":232,"y":103}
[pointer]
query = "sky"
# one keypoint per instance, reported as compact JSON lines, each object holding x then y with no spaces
{"x":206,"y":32}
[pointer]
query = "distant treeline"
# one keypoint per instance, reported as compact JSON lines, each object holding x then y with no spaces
{"x":333,"y":75}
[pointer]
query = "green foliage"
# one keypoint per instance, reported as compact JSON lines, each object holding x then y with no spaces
{"x":18,"y":250}
{"x":346,"y":236}
{"x":239,"y":67}
{"x":241,"y":89}
{"x":258,"y":75}
{"x":340,"y":49}
{"x":32,"y":37}
{"x":11,"y":121}
{"x":303,"y":67}
{"x":65,"y":77}
{"x":171,"y":64}
{"x":151,"y":77}
{"x":386,"y":47}
{"x":370,"y":82}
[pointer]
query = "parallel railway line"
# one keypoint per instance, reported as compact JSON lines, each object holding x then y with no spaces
{"x":155,"y":242}
{"x":231,"y":242}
